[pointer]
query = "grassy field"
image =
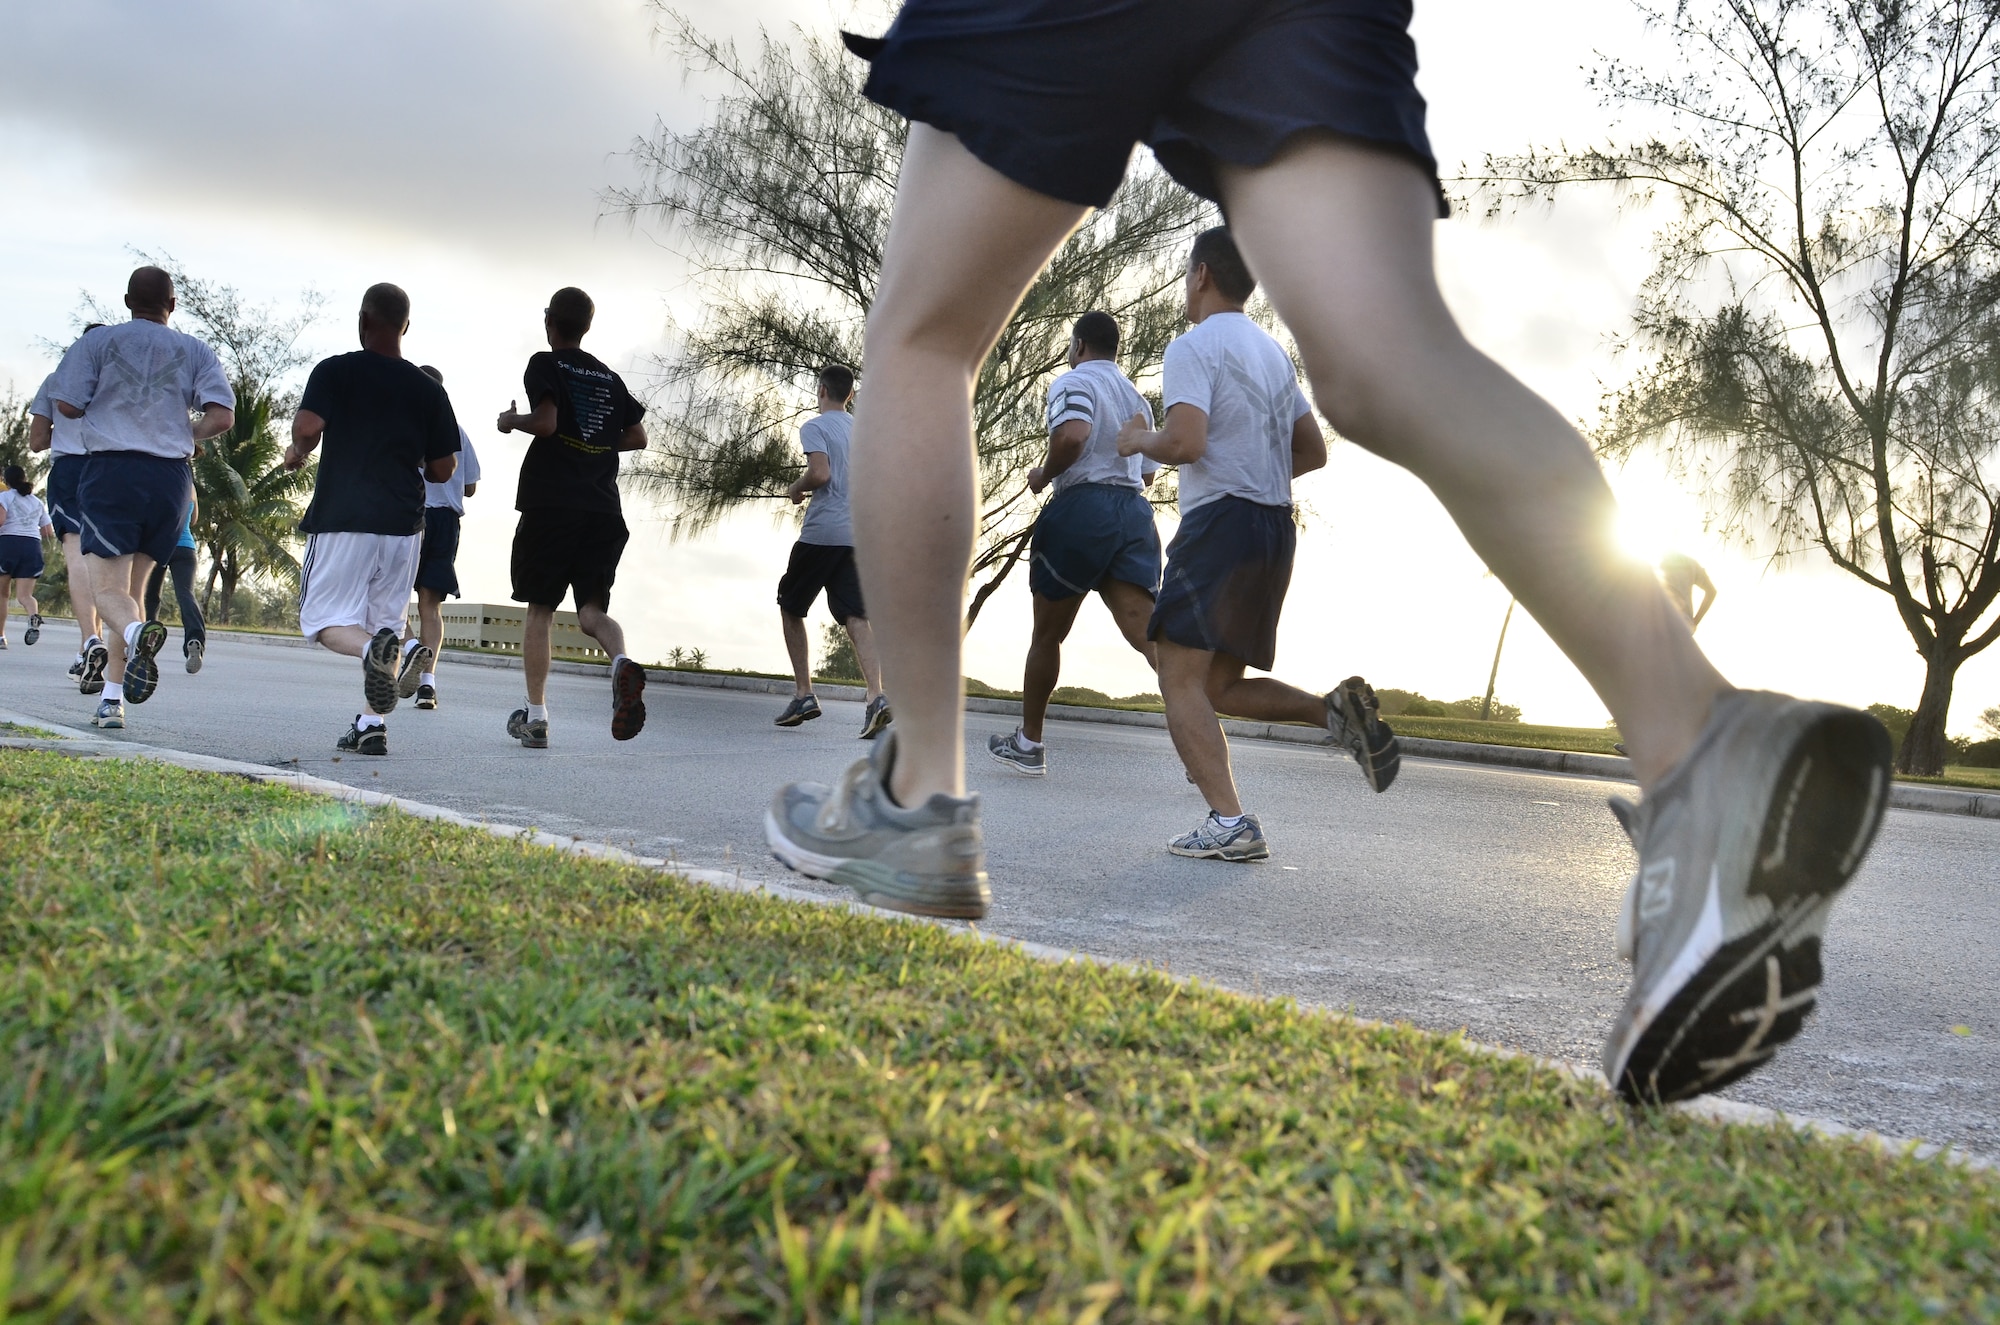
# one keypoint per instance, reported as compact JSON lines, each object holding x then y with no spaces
{"x":275,"y":1058}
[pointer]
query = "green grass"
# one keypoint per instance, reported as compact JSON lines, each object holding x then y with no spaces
{"x":1585,"y":740}
{"x":276,"y":1058}
{"x":32,"y":733}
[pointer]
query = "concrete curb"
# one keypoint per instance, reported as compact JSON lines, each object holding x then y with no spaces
{"x":1902,"y":795}
{"x":81,"y":743}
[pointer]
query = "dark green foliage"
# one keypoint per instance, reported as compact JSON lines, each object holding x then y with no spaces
{"x":837,"y":661}
{"x":1398,"y":702}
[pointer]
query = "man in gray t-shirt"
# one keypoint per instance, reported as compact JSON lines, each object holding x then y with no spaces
{"x":1240,"y":429}
{"x":49,"y":429}
{"x":823,"y":558}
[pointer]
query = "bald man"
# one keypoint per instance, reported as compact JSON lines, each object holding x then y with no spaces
{"x":136,"y":387}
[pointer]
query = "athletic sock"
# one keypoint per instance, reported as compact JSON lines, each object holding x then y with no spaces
{"x":1021,"y":739}
{"x":1226,"y":820}
{"x":411,"y":644}
{"x":115,"y":691}
{"x":79,"y":657}
{"x":538,"y":713}
{"x":132,"y":637}
{"x":615,"y":661}
{"x":429,"y":679}
{"x":366,"y":720}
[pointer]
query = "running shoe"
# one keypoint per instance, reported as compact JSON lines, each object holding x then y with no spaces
{"x":533,"y":734}
{"x":1012,"y":751}
{"x":427,"y":697}
{"x":76,"y":668}
{"x":95,"y":659}
{"x":1742,"y":849}
{"x":3,"y":643}
{"x":927,"y":861}
{"x":628,"y":699}
{"x":110,"y":715}
{"x":193,"y":651}
{"x":802,"y":709}
{"x":1212,"y":839}
{"x":379,"y":672}
{"x":416,"y":662}
{"x":1354,"y":721}
{"x":142,"y":669}
{"x":359,"y":740}
{"x":877,"y":719}
{"x":34,"y":632}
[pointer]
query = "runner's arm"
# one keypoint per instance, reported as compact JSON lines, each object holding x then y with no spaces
{"x":442,"y":468}
{"x":633,"y":438}
{"x":307,"y":429}
{"x":1308,"y":445}
{"x":819,"y":473}
{"x":1182,"y":442}
{"x":41,"y":432}
{"x":541,"y":423}
{"x":1066,"y":445}
{"x":1707,"y":587}
{"x":216,"y":419}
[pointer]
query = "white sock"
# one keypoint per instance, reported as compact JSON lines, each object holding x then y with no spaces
{"x":538,"y":713}
{"x":428,"y":678}
{"x":1021,"y":739}
{"x":1226,"y":820}
{"x":411,"y":644}
{"x":132,"y":637}
{"x":366,"y":720}
{"x":93,"y":640}
{"x":79,"y":657}
{"x":616,"y":660}
{"x":115,"y":691}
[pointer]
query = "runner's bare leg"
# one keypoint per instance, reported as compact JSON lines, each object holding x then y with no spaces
{"x":964,"y":244}
{"x":1340,"y":237}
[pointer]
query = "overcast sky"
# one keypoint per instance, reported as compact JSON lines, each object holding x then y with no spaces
{"x":460,"y":149}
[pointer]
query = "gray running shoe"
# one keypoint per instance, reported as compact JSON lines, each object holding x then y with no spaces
{"x":802,"y":709}
{"x":142,"y":669}
{"x":381,"y":665}
{"x":95,"y":659}
{"x":929,"y":861}
{"x":534,"y":735}
{"x":1211,"y":839}
{"x":1742,"y":849}
{"x":1009,"y":751}
{"x":110,"y":714}
{"x":192,"y":651}
{"x":416,"y":662}
{"x":34,"y":630}
{"x":364,"y":740}
{"x":1354,"y":721}
{"x":877,"y":719}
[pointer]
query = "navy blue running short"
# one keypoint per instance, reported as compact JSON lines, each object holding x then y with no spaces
{"x":1054,"y":93}
{"x":64,"y":512}
{"x":20,"y":557}
{"x":133,"y":503}
{"x":1090,"y":533}
{"x":1227,"y":572}
{"x":822,"y":566}
{"x":437,"y":564}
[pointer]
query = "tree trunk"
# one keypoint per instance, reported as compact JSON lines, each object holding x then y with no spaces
{"x":1924,"y":748}
{"x":208,"y":589}
{"x":1021,"y":541}
{"x":229,"y":577}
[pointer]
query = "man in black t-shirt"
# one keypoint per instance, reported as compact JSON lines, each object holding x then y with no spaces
{"x":387,"y":428}
{"x":572,"y":530}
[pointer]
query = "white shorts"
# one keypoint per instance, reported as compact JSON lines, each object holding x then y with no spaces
{"x":357,"y":580}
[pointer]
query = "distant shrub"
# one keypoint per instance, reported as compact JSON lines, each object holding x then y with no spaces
{"x":1079,"y":695}
{"x":1396,"y":703}
{"x":1980,"y":754}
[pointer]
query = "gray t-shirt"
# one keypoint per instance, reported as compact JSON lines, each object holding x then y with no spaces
{"x":451,"y":492}
{"x":136,"y":383}
{"x":828,"y":522}
{"x":65,"y":433}
{"x":1229,"y":368}
{"x":1101,"y":396}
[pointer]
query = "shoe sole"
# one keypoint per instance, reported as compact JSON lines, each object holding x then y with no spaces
{"x":412,"y":675}
{"x":94,"y":663}
{"x":1022,"y":769}
{"x":109,"y":724}
{"x":427,"y":705}
{"x":628,"y":702}
{"x":1221,"y":853}
{"x":194,"y":660}
{"x":1379,"y":775}
{"x":876,"y":725}
{"x":799,"y":719}
{"x":878,"y":885}
{"x":534,"y":742}
{"x":33,"y":634}
{"x":379,"y":683}
{"x":1734,"y":1009}
{"x":142,"y":671}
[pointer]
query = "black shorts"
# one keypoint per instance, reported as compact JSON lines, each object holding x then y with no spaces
{"x":558,"y":549}
{"x":437,"y":565}
{"x":1227,"y":572}
{"x":1054,"y":93}
{"x":817,"y":566}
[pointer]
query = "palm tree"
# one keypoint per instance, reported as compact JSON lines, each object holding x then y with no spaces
{"x":249,"y":503}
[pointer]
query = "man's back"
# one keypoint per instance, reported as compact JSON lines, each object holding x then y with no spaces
{"x":576,"y":467}
{"x":136,"y":383}
{"x":384,"y":421}
{"x":828,"y":521}
{"x":1229,"y":368}
{"x":1097,"y":393}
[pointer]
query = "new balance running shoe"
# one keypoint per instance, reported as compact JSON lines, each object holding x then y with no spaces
{"x":1212,"y":839}
{"x":1742,"y":849}
{"x":628,"y":699}
{"x":192,"y":653}
{"x":416,"y":662}
{"x":33,"y":634}
{"x":110,"y":715}
{"x":1354,"y":722}
{"x":1012,"y":750}
{"x":95,"y":659}
{"x":381,"y":664}
{"x":927,"y":861}
{"x":530,"y":732}
{"x":877,"y":719}
{"x":802,"y":709}
{"x":360,"y":740}
{"x":427,"y":697}
{"x":142,"y":669}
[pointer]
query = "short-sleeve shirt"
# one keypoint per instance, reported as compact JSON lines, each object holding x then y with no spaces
{"x":451,"y":492}
{"x":385,"y":420}
{"x":1231,"y":369}
{"x":1096,"y":393}
{"x":137,"y":383}
{"x":65,"y":433}
{"x":576,"y":467}
{"x":23,"y":516}
{"x":829,"y":517}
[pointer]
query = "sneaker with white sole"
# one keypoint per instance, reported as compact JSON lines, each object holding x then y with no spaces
{"x":802,"y":709}
{"x":95,"y":659}
{"x":142,"y":669}
{"x":530,"y":732}
{"x":1354,"y":722}
{"x":416,"y":662}
{"x":361,"y":740}
{"x":1011,"y":751}
{"x":110,"y":715}
{"x":427,"y":698}
{"x":34,"y":630}
{"x":927,"y":861}
{"x":1212,"y":839}
{"x":192,"y":652}
{"x":381,"y":672}
{"x":1743,"y":848}
{"x":876,"y":719}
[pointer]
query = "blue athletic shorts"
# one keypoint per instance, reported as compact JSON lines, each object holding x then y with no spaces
{"x":1091,"y":533}
{"x":437,"y":567}
{"x":134,"y":503}
{"x":1054,"y":93}
{"x":1227,"y":572}
{"x":64,"y":512}
{"x":20,"y":557}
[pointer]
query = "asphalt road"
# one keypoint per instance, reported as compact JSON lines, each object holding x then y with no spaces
{"x":1465,"y":897}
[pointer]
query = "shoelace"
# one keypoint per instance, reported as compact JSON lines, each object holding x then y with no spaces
{"x":834,"y":812}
